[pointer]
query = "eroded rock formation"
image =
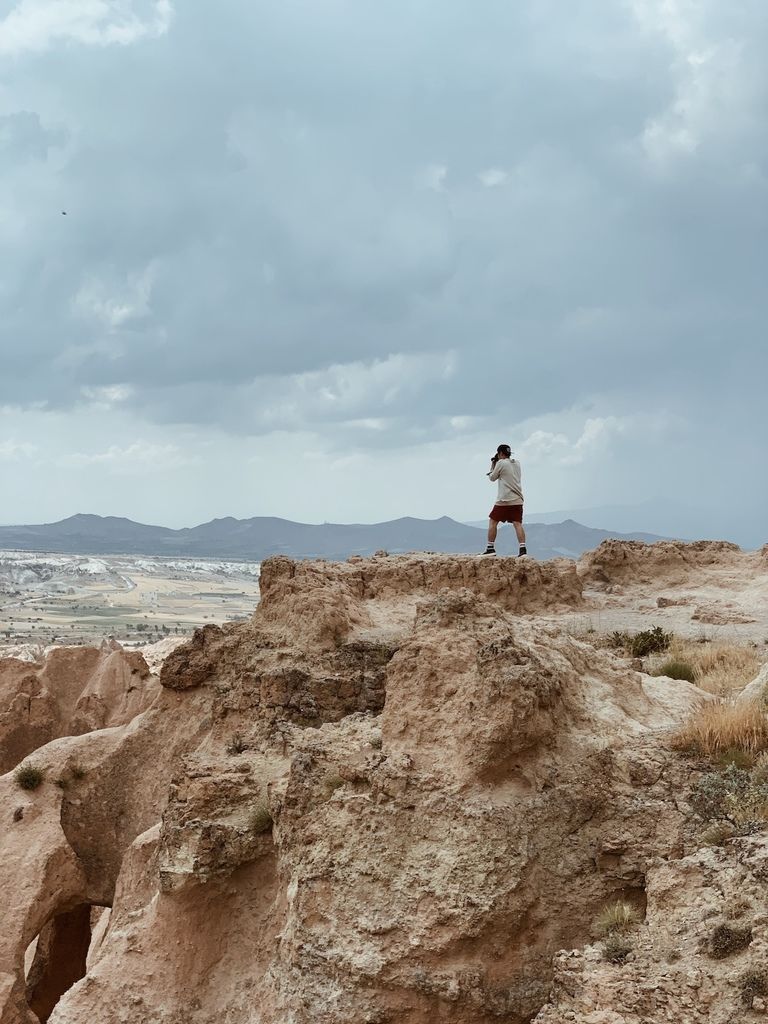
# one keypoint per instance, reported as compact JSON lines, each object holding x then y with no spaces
{"x":393,"y":796}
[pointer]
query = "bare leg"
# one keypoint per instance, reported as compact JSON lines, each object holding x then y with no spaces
{"x":520,"y":532}
{"x":493,"y":529}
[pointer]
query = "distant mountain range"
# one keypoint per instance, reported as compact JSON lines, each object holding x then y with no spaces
{"x":255,"y":539}
{"x":704,"y":520}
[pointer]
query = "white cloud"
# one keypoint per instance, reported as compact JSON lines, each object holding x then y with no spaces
{"x":141,"y":456}
{"x":434,"y":177}
{"x":493,"y":177}
{"x":350,"y":392}
{"x":104,"y":398}
{"x":715,"y":86}
{"x":12,"y":451}
{"x":115,"y":305}
{"x":33,"y":26}
{"x":543,"y":446}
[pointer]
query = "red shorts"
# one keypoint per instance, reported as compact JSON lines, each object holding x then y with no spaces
{"x":507,"y":513}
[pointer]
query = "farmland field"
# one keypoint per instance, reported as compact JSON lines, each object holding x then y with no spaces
{"x":53,"y":599}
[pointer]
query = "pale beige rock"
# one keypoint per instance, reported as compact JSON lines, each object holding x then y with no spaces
{"x":72,"y":690}
{"x":684,"y":965}
{"x":392,"y":796}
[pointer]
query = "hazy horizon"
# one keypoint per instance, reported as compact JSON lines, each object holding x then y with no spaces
{"x":316,"y":260}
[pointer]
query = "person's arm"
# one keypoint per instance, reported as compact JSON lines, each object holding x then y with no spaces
{"x":496,"y":471}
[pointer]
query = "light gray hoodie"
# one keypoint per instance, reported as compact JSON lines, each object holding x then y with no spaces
{"x":507,"y":472}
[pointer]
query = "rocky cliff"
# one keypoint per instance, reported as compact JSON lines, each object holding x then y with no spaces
{"x":398,"y":794}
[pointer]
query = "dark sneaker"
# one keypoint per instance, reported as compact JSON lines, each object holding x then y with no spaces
{"x":490,"y":550}
{"x":523,"y":551}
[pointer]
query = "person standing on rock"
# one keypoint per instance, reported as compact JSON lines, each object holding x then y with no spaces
{"x":509,"y":499}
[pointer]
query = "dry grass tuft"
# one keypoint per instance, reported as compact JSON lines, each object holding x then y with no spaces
{"x":616,"y":917}
{"x":721,"y":668}
{"x":718,"y":727}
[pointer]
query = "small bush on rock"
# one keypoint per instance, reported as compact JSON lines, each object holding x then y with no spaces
{"x":28,"y":776}
{"x":725,"y":941}
{"x":78,"y":772}
{"x":649,"y":641}
{"x":674,"y":669}
{"x":616,"y":917}
{"x":261,"y":819}
{"x":733,"y":796}
{"x":618,"y":639}
{"x":237,"y":744}
{"x":616,"y":949}
{"x":753,"y":983}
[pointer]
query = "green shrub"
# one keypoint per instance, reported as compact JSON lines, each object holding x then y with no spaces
{"x":725,"y":941}
{"x":618,"y":639}
{"x":78,"y":772}
{"x":261,"y":819}
{"x":649,"y":641}
{"x":676,"y":669}
{"x":616,"y":949}
{"x":28,"y":776}
{"x":736,"y":757}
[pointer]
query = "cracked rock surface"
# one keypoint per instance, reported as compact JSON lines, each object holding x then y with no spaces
{"x":397,"y":794}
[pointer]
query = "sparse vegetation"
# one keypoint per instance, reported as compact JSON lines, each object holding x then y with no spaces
{"x":616,"y":948}
{"x":723,"y":669}
{"x":734,"y":756}
{"x":725,"y":941}
{"x":649,"y":641}
{"x":720,"y":726}
{"x":718,"y":834}
{"x":261,"y":819}
{"x":617,"y":917}
{"x":676,"y":669}
{"x":737,"y":907}
{"x":753,"y":983}
{"x":732,"y":796}
{"x":618,"y":639}
{"x":237,"y":744}
{"x":28,"y":776}
{"x":77,"y":772}
{"x":641,"y":644}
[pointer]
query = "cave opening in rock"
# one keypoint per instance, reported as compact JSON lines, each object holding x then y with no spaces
{"x":56,"y":959}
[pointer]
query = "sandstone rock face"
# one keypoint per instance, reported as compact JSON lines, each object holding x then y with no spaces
{"x":701,"y":955}
{"x":631,"y":561}
{"x":73,"y":690}
{"x":392,"y":796}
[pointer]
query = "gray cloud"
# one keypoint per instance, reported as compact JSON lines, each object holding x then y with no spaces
{"x":306,"y":215}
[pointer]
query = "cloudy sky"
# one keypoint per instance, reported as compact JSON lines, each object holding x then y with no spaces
{"x":319,"y":257}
